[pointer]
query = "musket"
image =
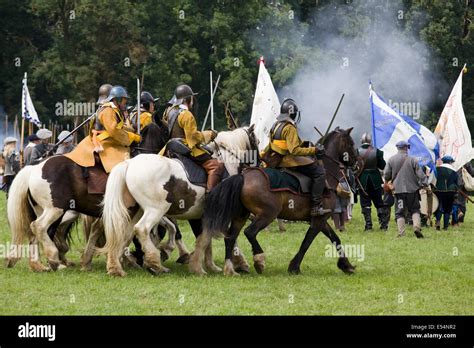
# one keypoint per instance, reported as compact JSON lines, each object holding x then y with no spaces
{"x":465,"y":196}
{"x":50,"y":152}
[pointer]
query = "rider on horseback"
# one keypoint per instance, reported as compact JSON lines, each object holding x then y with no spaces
{"x":182,"y":125}
{"x":147,"y":107}
{"x":109,"y":139}
{"x":287,"y":146}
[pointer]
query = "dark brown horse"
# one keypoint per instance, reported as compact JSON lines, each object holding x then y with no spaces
{"x":41,"y":195}
{"x":229,"y":205}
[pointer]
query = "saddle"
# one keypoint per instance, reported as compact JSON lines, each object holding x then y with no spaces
{"x":96,"y":177}
{"x":284,"y":179}
{"x":194,"y":172}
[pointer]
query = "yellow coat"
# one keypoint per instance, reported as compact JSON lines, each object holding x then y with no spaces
{"x":290,"y":146}
{"x":116,"y":145}
{"x":145,"y":119}
{"x":192,"y":137}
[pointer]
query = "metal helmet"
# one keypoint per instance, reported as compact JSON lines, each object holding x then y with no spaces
{"x":181,"y":92}
{"x":146,"y":97}
{"x":289,"y":107}
{"x":117,"y":92}
{"x":366,"y":139}
{"x":104,"y":91}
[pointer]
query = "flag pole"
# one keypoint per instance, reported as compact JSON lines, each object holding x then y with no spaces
{"x":22,"y":139}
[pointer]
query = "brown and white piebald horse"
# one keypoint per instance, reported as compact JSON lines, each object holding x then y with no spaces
{"x":160,"y":187}
{"x":229,"y":205}
{"x":53,"y":192}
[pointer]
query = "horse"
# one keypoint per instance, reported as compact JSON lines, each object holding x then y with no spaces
{"x":160,"y":186}
{"x":229,"y":205}
{"x":42,"y":196}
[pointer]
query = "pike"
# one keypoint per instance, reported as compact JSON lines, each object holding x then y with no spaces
{"x":138,"y":106}
{"x":332,"y":120}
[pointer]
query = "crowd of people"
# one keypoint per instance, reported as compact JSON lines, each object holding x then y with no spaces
{"x":398,"y":182}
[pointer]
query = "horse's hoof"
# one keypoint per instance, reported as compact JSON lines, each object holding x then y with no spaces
{"x":259,"y":267}
{"x":54,"y":265}
{"x":214,"y":268}
{"x":157,"y":271}
{"x":86,"y":268}
{"x":294,"y":271}
{"x":70,"y":264}
{"x":230,"y":272}
{"x":349,"y":270}
{"x":199,"y":272}
{"x":39,"y":268}
{"x":117,"y":273}
{"x":62,"y":266}
{"x":242,"y":268}
{"x":183,"y":259}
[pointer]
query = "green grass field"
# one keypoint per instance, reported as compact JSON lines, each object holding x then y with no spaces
{"x":396,"y":276}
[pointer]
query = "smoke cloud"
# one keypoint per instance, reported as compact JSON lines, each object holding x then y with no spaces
{"x":375,"y":47}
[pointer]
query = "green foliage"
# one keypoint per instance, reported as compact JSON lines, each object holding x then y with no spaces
{"x":70,"y":47}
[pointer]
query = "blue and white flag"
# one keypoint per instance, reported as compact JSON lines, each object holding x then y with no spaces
{"x":389,"y":127}
{"x":28,"y":111}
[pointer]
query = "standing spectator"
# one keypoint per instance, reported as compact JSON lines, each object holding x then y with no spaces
{"x":67,"y":145}
{"x":446,"y":189}
{"x":40,"y":150}
{"x":12,"y":162}
{"x":460,"y":200}
{"x":371,"y":184}
{"x":33,"y":140}
{"x":407,"y":178}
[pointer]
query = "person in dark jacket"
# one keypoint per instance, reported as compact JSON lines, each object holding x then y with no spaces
{"x":40,"y":150}
{"x":371,"y":184}
{"x":446,"y":190}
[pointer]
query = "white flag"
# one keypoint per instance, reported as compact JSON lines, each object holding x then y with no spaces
{"x":28,"y":111}
{"x":452,"y":130}
{"x":266,"y":106}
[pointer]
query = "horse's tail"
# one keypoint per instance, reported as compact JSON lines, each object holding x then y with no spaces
{"x":223,"y":204}
{"x":19,"y":212}
{"x":115,"y":216}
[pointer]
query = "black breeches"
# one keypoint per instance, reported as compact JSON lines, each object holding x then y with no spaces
{"x":317,"y":174}
{"x":372,"y":194}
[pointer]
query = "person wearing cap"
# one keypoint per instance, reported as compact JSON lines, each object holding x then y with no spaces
{"x":371,"y":184}
{"x":182,"y":125}
{"x":108,"y":142}
{"x":446,"y":190}
{"x":33,"y":140}
{"x":41,"y":149}
{"x":147,"y":107}
{"x":67,"y":145}
{"x":12,"y":162}
{"x":407,"y":177}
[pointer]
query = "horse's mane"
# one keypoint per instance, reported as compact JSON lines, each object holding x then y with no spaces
{"x":235,"y":140}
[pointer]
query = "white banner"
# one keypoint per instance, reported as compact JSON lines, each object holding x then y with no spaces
{"x":266,"y":106}
{"x":452,"y":130}
{"x":28,"y":111}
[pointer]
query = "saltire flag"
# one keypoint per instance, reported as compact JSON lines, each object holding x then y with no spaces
{"x":28,"y":111}
{"x":389,"y":127}
{"x":452,"y":130}
{"x":266,"y":106}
